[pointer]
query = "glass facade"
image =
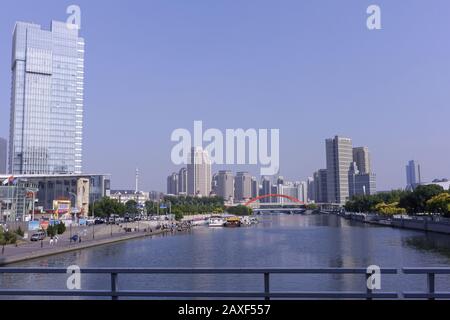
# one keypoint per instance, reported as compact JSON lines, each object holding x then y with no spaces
{"x":46,"y":135}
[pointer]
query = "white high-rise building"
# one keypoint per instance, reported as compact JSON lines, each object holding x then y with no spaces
{"x":46,"y":125}
{"x":339,"y":154}
{"x":199,"y":173}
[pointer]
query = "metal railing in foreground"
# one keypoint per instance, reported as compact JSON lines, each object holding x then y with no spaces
{"x":114,"y":292}
{"x":431,"y":273}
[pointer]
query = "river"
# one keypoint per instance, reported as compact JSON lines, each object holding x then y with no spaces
{"x":295,"y":241}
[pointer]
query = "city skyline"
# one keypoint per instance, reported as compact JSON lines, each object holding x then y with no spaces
{"x":301,"y":151}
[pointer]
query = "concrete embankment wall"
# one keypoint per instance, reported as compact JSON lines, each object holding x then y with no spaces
{"x":423,"y":225}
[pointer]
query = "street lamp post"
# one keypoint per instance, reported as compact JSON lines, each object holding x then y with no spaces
{"x":93,"y":218}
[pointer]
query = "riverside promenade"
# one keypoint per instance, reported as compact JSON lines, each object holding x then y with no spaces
{"x":91,"y":236}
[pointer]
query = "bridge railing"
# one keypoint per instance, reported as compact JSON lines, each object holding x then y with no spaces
{"x":114,"y":292}
{"x":430,"y":273}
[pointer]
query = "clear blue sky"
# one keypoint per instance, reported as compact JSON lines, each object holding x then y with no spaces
{"x":310,"y":68}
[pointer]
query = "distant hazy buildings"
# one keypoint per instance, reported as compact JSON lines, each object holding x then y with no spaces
{"x":413,"y":175}
{"x":310,"y":182}
{"x":3,"y":148}
{"x":339,"y":155}
{"x":46,"y":100}
{"x":172,"y":184}
{"x":266,"y":186}
{"x":225,"y":185}
{"x":182,"y":181}
{"x":199,"y":173}
{"x":255,"y":188}
{"x":242,"y":186}
{"x":320,"y":186}
{"x":123,"y":196}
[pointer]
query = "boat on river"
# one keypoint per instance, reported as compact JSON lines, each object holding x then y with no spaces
{"x":216,"y":221}
{"x":233,"y":222}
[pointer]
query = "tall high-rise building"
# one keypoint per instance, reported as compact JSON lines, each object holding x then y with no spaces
{"x":339,"y":154}
{"x":266,"y":186}
{"x":199,"y":172}
{"x":311,"y":188}
{"x":320,"y":186}
{"x":182,"y":181}
{"x":280,"y":180}
{"x":46,"y":125}
{"x":3,"y":148}
{"x":242,"y":186}
{"x":225,"y":185}
{"x":413,"y":175}
{"x":172,"y":184}
{"x":255,"y":187}
{"x":361,"y":156}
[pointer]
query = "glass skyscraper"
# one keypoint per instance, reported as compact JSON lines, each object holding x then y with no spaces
{"x":46,"y":128}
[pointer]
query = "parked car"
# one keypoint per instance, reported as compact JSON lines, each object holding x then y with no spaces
{"x":99,"y":221}
{"x":40,"y":235}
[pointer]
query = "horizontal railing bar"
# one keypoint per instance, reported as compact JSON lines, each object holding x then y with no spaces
{"x":199,"y":270}
{"x":193,"y":294}
{"x":422,"y":295}
{"x":426,"y":270}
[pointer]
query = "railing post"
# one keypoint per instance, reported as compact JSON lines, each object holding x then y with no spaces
{"x":431,"y":284}
{"x":369,"y":290}
{"x":114,"y":285}
{"x":266,"y":285}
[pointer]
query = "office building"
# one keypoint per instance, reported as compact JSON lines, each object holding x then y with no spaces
{"x":255,"y":187}
{"x":46,"y":125}
{"x":265,"y":189}
{"x":320,"y":186}
{"x":3,"y":148}
{"x":78,"y":190}
{"x":182,"y":181}
{"x":172,"y":184}
{"x":413,"y":175}
{"x":361,"y":156}
{"x":311,"y":188}
{"x":339,"y":154}
{"x":360,"y":184}
{"x":242,"y":186}
{"x":225,"y":185}
{"x":199,"y":172}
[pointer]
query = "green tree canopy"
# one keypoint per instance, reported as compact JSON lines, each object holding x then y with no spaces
{"x":107,"y":206}
{"x":439,"y":204}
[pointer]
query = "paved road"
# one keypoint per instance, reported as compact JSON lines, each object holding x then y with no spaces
{"x":89,"y":234}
